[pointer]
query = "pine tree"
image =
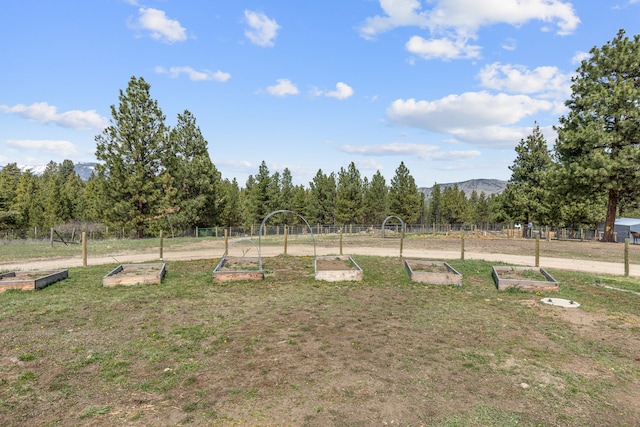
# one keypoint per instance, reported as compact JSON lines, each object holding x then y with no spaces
{"x":454,"y":205}
{"x":230,"y":207}
{"x":9,"y":179}
{"x":27,"y":202}
{"x":322,"y":198}
{"x":191,"y":179}
{"x":598,"y":144}
{"x":349,"y":196}
{"x":130,"y":153}
{"x":376,"y":200}
{"x":256,"y":202}
{"x":435,"y":206}
{"x":527,"y":192}
{"x":404,"y":197}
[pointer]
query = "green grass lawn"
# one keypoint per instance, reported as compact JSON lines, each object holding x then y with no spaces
{"x":290,"y":350}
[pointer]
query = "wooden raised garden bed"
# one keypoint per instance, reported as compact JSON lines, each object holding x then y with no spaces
{"x":238,"y":268}
{"x":433,"y":272}
{"x":135,"y":274}
{"x":30,"y":280}
{"x":534,"y":279}
{"x":337,"y":268}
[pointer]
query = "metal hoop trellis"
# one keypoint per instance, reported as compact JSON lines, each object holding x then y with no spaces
{"x":286,"y":211}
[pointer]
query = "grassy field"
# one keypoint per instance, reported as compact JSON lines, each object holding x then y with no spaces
{"x":290,"y":350}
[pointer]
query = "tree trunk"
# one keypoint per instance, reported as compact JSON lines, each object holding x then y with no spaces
{"x":609,"y":223}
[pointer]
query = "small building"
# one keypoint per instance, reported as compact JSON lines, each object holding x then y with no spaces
{"x":623,"y":228}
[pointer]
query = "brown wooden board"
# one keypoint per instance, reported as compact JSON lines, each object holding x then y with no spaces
{"x":238,"y":268}
{"x":30,"y":280}
{"x":433,"y":272}
{"x":135,"y":274}
{"x":533,"y":279}
{"x":337,"y":268}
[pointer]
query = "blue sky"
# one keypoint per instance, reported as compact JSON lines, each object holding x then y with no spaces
{"x":449,"y":87}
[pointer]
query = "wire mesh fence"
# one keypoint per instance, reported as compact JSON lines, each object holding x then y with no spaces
{"x":72,"y":232}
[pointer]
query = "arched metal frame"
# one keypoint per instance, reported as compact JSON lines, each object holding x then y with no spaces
{"x":244,"y":239}
{"x":284,"y":211}
{"x":389,"y":217}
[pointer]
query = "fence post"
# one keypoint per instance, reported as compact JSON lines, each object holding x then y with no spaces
{"x":51,"y":238}
{"x":462,"y":244}
{"x":161,"y":244}
{"x":538,"y":250}
{"x":226,"y":242}
{"x":340,"y":240}
{"x":286,"y":233}
{"x":626,"y":257}
{"x":84,"y":249}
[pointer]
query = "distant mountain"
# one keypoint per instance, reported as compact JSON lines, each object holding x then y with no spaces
{"x":83,"y":169}
{"x":486,"y":186}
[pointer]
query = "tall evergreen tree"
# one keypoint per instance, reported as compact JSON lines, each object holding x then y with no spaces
{"x":27,"y":202}
{"x":257,"y":195}
{"x":349,"y":196}
{"x":435,"y":206}
{"x":300,"y":202}
{"x":9,"y":179}
{"x":191,"y":174}
{"x":598,"y":144}
{"x":454,"y":205}
{"x":376,"y":200}
{"x":230,"y":206}
{"x":130,"y":154}
{"x":404,"y":197}
{"x":322,"y":198}
{"x":527,"y":193}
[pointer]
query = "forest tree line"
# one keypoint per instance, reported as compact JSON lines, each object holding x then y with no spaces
{"x":151,"y":176}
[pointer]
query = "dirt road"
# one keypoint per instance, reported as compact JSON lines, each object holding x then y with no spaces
{"x":481,"y":251}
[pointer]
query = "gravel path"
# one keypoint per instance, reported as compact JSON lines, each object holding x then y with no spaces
{"x":216,"y":250}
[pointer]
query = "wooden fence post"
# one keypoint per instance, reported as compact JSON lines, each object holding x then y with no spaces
{"x":626,"y":257}
{"x":161,"y":244}
{"x":84,"y":249}
{"x":538,"y":250}
{"x":286,"y":233}
{"x":462,"y":244}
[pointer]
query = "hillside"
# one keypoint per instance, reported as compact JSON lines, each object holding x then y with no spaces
{"x":83,"y":169}
{"x":486,"y":186}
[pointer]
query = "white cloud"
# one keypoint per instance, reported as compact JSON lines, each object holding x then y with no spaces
{"x":473,"y":14}
{"x":442,"y":48}
{"x":283,"y":87}
{"x":421,"y":151}
{"x":469,"y":110}
{"x":262,"y":30}
{"x":452,"y":23}
{"x":343,"y":91}
{"x":579,"y":57}
{"x":45,"y":113}
{"x":477,"y":118}
{"x":548,"y":81}
{"x":161,"y":27}
{"x":204,"y":75}
{"x":57,"y":147}
{"x":368,"y":164}
{"x":398,"y":13}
